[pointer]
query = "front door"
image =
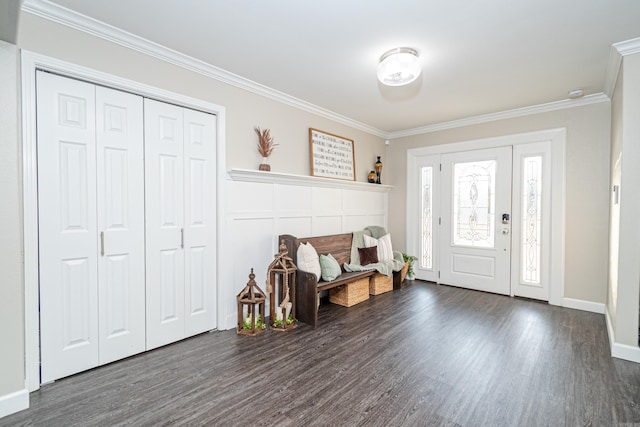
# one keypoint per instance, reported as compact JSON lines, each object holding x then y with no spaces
{"x":475,"y":243}
{"x":485,"y":216}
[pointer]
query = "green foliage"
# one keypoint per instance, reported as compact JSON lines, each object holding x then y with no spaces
{"x":259,"y":323}
{"x":278,"y":322}
{"x":410,"y":259}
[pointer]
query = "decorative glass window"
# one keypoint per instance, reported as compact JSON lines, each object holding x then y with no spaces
{"x":474,"y":185}
{"x":426,"y":243}
{"x":531,"y":212}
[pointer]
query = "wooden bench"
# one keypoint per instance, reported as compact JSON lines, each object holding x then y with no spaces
{"x":307,"y":285}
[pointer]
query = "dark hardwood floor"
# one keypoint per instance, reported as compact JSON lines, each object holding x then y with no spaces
{"x":426,"y":355}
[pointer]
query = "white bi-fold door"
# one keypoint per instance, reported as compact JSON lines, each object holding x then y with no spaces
{"x":91,"y":225}
{"x":180,"y":222}
{"x":97,"y":302}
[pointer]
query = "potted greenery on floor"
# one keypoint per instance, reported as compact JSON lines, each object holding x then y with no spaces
{"x":407,"y":270}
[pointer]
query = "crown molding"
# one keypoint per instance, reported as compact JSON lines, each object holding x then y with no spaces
{"x":628,"y":47}
{"x":61,"y":15}
{"x":502,"y":115}
{"x":616,"y":53}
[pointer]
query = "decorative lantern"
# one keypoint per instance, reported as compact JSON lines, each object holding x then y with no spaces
{"x":251,"y":309}
{"x":281,"y":286}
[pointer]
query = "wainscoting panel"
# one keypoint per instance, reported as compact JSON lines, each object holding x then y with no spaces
{"x":364,"y":201}
{"x":323,"y":225}
{"x":249,"y":197}
{"x":262,"y":205}
{"x":328,"y":200}
{"x":299,"y":196}
{"x":356,"y":222}
{"x":296,"y":226}
{"x":252,"y":247}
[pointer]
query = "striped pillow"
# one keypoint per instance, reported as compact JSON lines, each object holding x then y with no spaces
{"x":385,"y":251}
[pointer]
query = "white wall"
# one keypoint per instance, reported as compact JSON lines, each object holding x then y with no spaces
{"x":587,"y":186}
{"x":11,"y":283}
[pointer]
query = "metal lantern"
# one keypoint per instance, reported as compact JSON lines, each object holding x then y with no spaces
{"x":281,"y":286}
{"x":251,"y":309}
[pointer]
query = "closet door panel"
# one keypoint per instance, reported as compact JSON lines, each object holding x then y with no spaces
{"x":67,"y":226}
{"x":120,"y":196}
{"x":164,"y":212}
{"x":200,"y":217}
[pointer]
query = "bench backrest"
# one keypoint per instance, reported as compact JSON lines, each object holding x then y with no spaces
{"x":338,"y":245}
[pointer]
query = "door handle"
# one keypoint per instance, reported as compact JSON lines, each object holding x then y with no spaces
{"x":505,"y":231}
{"x":102,"y":243}
{"x":182,"y":238}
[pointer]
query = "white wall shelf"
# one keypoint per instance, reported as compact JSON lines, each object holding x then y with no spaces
{"x":308,"y":181}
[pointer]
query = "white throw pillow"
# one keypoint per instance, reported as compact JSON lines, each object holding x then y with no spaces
{"x":308,"y":259}
{"x":385,"y":251}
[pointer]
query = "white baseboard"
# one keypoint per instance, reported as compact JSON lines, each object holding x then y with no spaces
{"x":14,"y":402}
{"x":620,"y":351}
{"x":578,"y":304}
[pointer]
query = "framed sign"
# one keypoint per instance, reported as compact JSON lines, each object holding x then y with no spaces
{"x":332,"y":156}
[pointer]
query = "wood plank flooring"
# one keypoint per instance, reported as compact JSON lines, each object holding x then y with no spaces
{"x":426,"y":355}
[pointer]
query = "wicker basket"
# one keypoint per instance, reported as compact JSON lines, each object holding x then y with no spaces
{"x":379,"y":284}
{"x":351,"y":294}
{"x":403,"y":272}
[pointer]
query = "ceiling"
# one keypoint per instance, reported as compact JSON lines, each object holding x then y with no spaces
{"x":478,"y":57}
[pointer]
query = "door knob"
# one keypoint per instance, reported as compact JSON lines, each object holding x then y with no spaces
{"x":505,"y":231}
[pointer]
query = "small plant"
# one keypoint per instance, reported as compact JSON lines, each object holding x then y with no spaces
{"x":278,"y":322}
{"x":265,"y":142}
{"x":259,"y":323}
{"x":410,"y":259}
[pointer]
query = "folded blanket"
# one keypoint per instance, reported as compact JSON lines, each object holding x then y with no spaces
{"x":376,"y":231}
{"x":357,"y":242}
{"x":385,"y":267}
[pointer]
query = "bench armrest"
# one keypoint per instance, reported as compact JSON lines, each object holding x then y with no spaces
{"x":307,"y":297}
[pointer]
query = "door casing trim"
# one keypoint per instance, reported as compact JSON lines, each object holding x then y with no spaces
{"x":557,"y":138}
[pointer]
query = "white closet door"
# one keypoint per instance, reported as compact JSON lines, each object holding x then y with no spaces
{"x":200,"y":216}
{"x":164,"y":212}
{"x":68,"y":237}
{"x":120,"y":196}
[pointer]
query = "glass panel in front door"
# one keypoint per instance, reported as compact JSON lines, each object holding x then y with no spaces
{"x":426,"y":244}
{"x":473,"y":220}
{"x":531,"y":219}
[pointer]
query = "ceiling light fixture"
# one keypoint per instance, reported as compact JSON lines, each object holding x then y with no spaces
{"x":399,"y":66}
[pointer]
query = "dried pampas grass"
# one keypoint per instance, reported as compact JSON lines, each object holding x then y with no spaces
{"x":265,"y":142}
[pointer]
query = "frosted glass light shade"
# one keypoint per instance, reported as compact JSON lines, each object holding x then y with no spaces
{"x":399,"y":66}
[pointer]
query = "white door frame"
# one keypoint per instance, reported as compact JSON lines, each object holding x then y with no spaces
{"x":557,"y":138}
{"x":30,"y":62}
